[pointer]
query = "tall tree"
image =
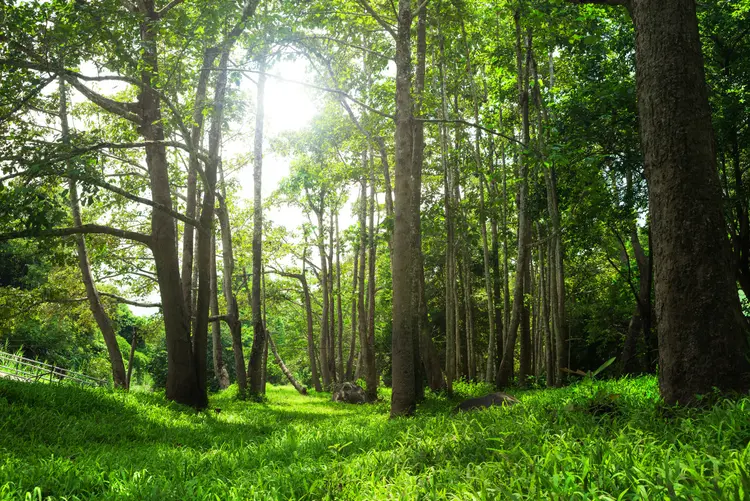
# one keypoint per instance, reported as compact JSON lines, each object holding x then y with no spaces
{"x":703,"y":340}
{"x":259,"y":349}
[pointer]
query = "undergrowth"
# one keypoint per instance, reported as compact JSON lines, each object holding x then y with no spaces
{"x":594,"y":440}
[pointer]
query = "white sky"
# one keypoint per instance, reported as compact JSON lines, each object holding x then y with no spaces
{"x":288,"y":107}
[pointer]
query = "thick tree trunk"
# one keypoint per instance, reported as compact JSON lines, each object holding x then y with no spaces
{"x":703,"y":340}
{"x":182,"y":375}
{"x":406,"y":316}
{"x":259,"y":349}
{"x":405,"y":313}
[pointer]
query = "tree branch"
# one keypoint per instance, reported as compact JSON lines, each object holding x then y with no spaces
{"x":469,"y":124}
{"x":163,"y":11}
{"x":616,"y":3}
{"x":78,"y":230}
{"x":377,"y":17}
{"x":123,"y":110}
{"x":319,"y":87}
{"x":131,"y":302}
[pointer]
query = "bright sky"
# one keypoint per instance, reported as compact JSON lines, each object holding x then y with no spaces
{"x":288,"y":107}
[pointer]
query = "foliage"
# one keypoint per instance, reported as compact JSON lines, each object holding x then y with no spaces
{"x":137,"y":446}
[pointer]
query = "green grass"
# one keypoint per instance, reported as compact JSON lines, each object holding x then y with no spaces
{"x":575,"y":443}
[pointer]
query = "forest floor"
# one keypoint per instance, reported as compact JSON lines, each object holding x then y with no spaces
{"x":594,"y":440}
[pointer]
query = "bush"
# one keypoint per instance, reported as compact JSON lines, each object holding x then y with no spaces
{"x":157,"y":367}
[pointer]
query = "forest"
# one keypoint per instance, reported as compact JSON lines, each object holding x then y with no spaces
{"x":224,"y":223}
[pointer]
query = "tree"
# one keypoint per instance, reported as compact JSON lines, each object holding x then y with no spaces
{"x":703,"y":340}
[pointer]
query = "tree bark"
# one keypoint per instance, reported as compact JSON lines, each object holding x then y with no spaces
{"x":703,"y":340}
{"x":205,"y":237}
{"x":255,"y":369}
{"x":332,"y":300}
{"x":364,"y":341}
{"x":450,"y":266}
{"x":209,"y":56}
{"x":405,"y":313}
{"x":524,"y":366}
{"x":324,"y":317}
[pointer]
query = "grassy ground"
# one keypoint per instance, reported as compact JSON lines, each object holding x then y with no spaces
{"x":583,"y":442}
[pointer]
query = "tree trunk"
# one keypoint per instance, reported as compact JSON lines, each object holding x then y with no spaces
{"x":340,"y":341}
{"x":196,"y":133}
{"x":92,"y":294}
{"x":259,"y":349}
{"x":549,"y":352}
{"x":220,"y":371}
{"x":364,"y":342}
{"x":284,"y":369}
{"x":702,"y":333}
{"x":183,"y":384}
{"x":371,"y":374}
{"x":324,"y":317}
{"x":524,"y":223}
{"x":524,"y":366}
{"x":405,"y":314}
{"x":133,"y":344}
{"x":353,"y":343}
{"x":332,"y":302}
{"x":426,"y":359}
{"x":205,"y":237}
{"x":233,"y":313}
{"x":450,"y":267}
